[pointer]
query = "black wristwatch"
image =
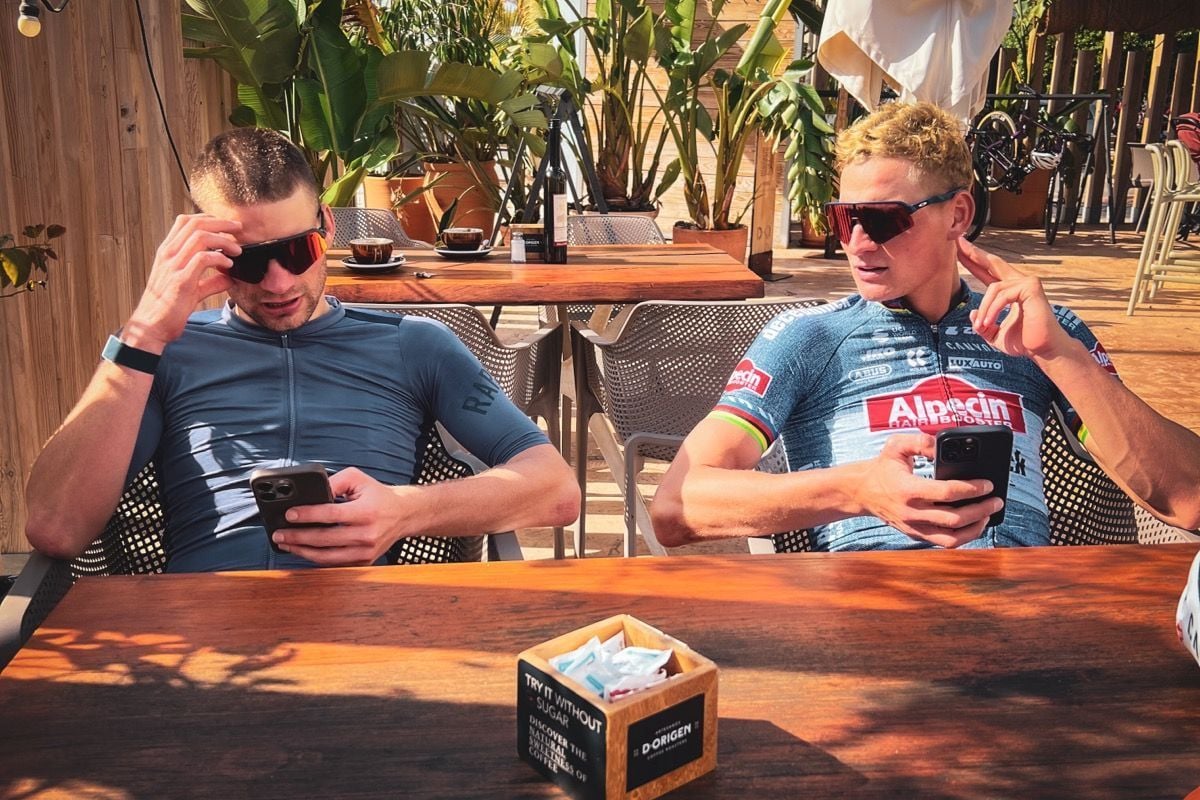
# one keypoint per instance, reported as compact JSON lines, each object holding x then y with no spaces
{"x":126,"y":355}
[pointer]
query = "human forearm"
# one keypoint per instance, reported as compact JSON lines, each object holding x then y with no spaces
{"x":76,"y":480}
{"x":1152,"y":458}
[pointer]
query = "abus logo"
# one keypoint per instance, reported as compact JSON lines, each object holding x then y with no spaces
{"x":747,"y":376}
{"x":936,"y":403}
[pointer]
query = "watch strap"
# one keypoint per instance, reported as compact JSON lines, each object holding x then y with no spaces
{"x":126,"y":355}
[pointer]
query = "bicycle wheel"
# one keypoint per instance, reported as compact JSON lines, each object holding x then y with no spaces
{"x":1052,"y":216}
{"x":982,"y":208}
{"x":995,"y":149}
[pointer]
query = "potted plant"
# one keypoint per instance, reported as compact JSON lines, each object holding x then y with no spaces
{"x":625,"y":136}
{"x":762,"y":95}
{"x":19,"y":262}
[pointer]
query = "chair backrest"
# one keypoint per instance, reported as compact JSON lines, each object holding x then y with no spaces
{"x":527,"y":375}
{"x":613,"y":229}
{"x":668,"y":362}
{"x":1085,"y":506}
{"x":1183,"y":166}
{"x":133,"y":540}
{"x":363,"y":223}
{"x":1141,"y":166}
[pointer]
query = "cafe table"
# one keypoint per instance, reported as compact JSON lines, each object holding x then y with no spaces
{"x":1047,"y":672}
{"x":593,"y":274}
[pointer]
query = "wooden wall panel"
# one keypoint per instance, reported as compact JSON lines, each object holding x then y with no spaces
{"x":82,"y":144}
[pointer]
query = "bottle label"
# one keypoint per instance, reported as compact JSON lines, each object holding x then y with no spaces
{"x":560,"y":219}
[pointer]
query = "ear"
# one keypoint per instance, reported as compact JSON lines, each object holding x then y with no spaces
{"x":962,"y":209}
{"x":330,"y":225}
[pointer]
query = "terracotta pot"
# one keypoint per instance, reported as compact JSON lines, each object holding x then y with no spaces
{"x":476,"y":206}
{"x":1022,"y":210}
{"x":415,"y":216}
{"x":732,"y":241}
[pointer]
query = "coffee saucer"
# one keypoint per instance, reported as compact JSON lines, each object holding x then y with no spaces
{"x":463,"y":255}
{"x":387,"y":266}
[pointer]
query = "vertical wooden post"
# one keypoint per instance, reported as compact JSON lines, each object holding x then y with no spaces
{"x":1194,"y":105}
{"x":1181,"y":91}
{"x":1085,"y":68}
{"x":1131,"y":101}
{"x":1004,"y":64}
{"x":1036,"y":59}
{"x":1060,"y":71}
{"x":1156,"y":99}
{"x":762,"y":215}
{"x":1110,"y":79}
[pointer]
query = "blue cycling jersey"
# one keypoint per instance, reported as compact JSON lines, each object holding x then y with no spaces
{"x":349,"y":388}
{"x":833,"y":382}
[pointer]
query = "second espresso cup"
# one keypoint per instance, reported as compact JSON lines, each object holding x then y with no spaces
{"x":371,"y":251}
{"x":463,"y":238}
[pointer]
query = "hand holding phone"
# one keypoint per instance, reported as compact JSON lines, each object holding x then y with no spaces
{"x":280,"y":488}
{"x":976,"y":451}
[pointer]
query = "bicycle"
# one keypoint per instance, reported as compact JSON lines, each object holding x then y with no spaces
{"x":998,"y":151}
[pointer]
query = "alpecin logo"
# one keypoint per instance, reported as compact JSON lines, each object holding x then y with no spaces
{"x":1101,"y":355}
{"x":936,"y":403}
{"x":747,"y":376}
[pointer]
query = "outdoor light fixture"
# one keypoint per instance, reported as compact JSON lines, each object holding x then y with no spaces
{"x":29,"y":21}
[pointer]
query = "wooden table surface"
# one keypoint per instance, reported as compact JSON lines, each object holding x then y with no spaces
{"x":1051,"y":672}
{"x":594,"y":274}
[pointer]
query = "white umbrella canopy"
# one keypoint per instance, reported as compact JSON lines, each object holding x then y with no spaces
{"x":934,"y":50}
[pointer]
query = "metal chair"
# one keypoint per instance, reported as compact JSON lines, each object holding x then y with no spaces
{"x":654,"y":378}
{"x":1141,"y":177}
{"x":529,"y":371}
{"x":132,"y":544}
{"x":1085,"y":506}
{"x":613,"y":229}
{"x":369,"y":223}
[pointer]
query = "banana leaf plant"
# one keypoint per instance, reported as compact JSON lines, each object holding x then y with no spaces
{"x":19,"y":262}
{"x":764,"y":94}
{"x":625,"y":135}
{"x":299,"y":73}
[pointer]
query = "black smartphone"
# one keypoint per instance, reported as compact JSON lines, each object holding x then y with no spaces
{"x":279,"y":488}
{"x":976,"y":451}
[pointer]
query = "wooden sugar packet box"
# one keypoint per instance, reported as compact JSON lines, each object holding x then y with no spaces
{"x":640,"y":746}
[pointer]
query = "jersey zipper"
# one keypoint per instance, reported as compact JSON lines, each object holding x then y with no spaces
{"x":941,"y":373}
{"x":285,"y":341}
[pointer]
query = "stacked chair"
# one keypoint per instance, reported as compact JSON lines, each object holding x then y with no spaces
{"x":655,"y":373}
{"x":1163,"y":260}
{"x":132,"y":544}
{"x":370,"y":223}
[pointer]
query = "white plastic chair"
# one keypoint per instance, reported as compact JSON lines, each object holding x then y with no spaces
{"x":1161,"y":259}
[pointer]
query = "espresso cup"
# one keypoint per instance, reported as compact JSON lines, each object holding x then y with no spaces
{"x":371,"y":251}
{"x":463,"y":238}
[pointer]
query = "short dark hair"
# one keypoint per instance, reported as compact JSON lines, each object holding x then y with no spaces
{"x":245,"y":166}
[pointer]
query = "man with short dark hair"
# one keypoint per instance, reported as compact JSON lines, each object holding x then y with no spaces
{"x":280,"y":375}
{"x":857,"y":389}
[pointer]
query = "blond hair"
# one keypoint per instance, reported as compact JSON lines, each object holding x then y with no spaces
{"x":927,"y":137}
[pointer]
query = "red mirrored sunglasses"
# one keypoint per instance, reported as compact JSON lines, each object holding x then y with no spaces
{"x":881,"y":220}
{"x":296,"y":254}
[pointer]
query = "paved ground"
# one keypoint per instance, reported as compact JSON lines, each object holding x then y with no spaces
{"x":1156,"y":351}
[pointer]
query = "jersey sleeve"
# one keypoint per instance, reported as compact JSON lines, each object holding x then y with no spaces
{"x":1079,"y":331}
{"x":149,"y":433}
{"x":768,"y":381}
{"x":466,"y":399}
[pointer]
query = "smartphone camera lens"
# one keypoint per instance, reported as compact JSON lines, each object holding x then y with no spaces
{"x":952,"y":450}
{"x":970,"y":448}
{"x":284,"y":488}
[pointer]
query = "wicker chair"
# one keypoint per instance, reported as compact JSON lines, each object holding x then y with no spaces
{"x":132,"y":544}
{"x":529,"y":372}
{"x":1085,"y":505}
{"x":654,"y":378}
{"x":365,"y":223}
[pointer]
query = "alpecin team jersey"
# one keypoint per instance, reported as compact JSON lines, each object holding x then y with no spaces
{"x":833,"y":382}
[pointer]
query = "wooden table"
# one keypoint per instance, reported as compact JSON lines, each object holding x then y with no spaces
{"x":1051,"y":672}
{"x":595,"y":274}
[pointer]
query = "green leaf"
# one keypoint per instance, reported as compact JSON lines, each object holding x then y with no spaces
{"x":256,"y":41}
{"x":17,"y":265}
{"x":639,"y":38}
{"x":669,"y":174}
{"x":338,"y":72}
{"x":341,"y":192}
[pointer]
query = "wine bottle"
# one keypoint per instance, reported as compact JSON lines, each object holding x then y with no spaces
{"x":554,"y":200}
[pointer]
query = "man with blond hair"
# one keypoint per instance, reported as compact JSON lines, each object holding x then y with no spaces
{"x":857,"y":389}
{"x":280,"y":375}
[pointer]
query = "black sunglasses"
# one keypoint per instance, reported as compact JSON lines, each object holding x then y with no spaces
{"x":881,"y":220}
{"x":296,"y":254}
